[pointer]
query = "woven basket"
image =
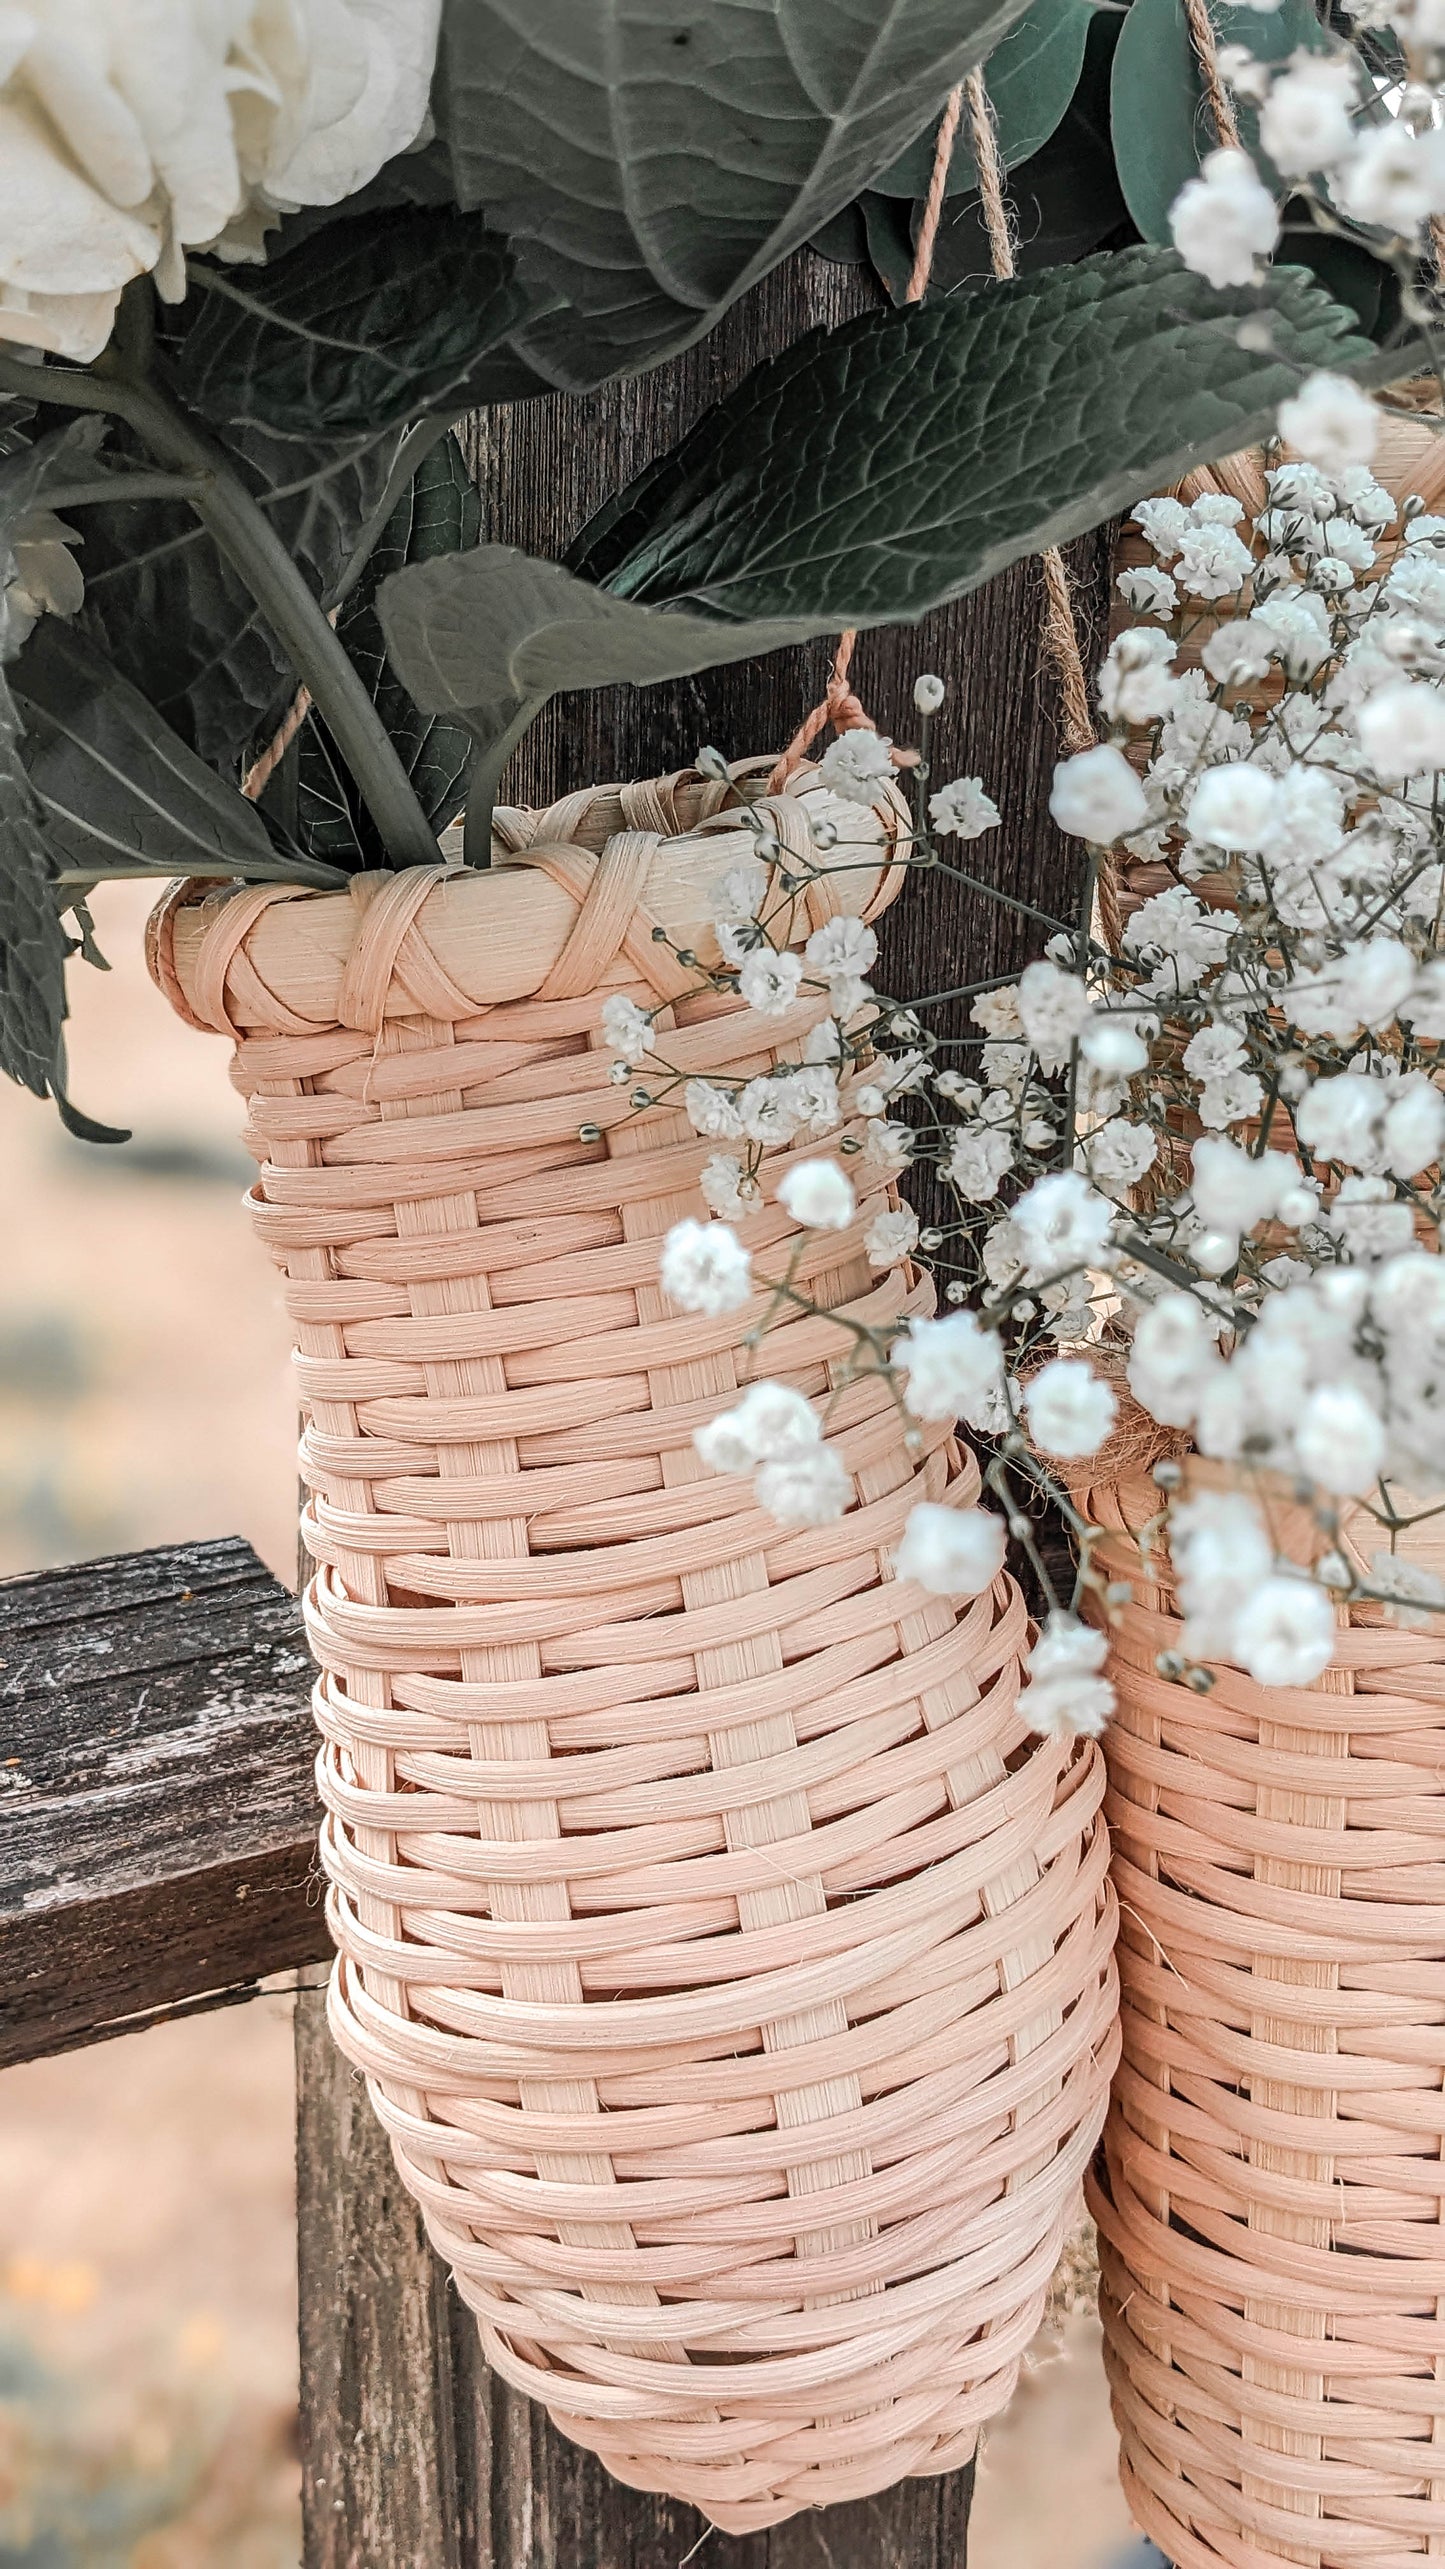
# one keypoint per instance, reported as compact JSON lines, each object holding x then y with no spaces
{"x":1272,"y":2230}
{"x":730,"y":1968}
{"x":1271,"y":2203}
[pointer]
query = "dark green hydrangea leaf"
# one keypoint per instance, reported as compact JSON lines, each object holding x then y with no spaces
{"x":368,"y":321}
{"x":649,"y":160}
{"x":869,"y":474}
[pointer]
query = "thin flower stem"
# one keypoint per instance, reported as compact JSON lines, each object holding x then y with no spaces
{"x":250,"y":543}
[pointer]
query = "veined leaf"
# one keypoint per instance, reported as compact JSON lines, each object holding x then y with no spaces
{"x":1031,"y":75}
{"x":439,"y":515}
{"x":33,"y":944}
{"x":117,"y":790}
{"x":172,"y":616}
{"x":365,"y":323}
{"x":648,"y":160}
{"x":1160,"y":122}
{"x":872,"y":472}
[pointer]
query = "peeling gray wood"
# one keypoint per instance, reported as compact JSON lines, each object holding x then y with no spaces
{"x":157,"y":1808}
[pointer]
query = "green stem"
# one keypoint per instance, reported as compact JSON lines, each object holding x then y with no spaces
{"x":411,"y":454}
{"x":121,"y":486}
{"x":245,"y":535}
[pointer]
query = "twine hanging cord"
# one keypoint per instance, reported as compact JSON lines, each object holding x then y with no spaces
{"x":840,"y":705}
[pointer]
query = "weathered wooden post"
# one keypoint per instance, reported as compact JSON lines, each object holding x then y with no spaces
{"x":413,"y":2456}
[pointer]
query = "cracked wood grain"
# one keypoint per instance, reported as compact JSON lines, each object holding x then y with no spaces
{"x":157,"y":1813}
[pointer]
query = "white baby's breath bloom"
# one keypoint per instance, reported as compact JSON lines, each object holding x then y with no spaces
{"x":1233,"y":806}
{"x":1305,"y":123}
{"x":1235,"y":1189}
{"x":711,"y":1111}
{"x":842,"y":949}
{"x":1171,"y":1359}
{"x":857,"y":765}
{"x":979,"y":1156}
{"x":1062,"y":1222}
{"x":628,"y":1029}
{"x":769,"y":1423}
{"x":1097,"y":796}
{"x":818,"y":1195}
{"x":1395,"y":178}
{"x":1331,"y":421}
{"x":810,"y":1487}
{"x":1053,"y":1006}
{"x":1339,"y":1440}
{"x":886,"y":1147}
{"x":963,"y":809}
{"x":1225,"y":221}
{"x":767,"y":1112}
{"x":953,"y":1552}
{"x":890,"y":1237}
{"x":1147,"y":591}
{"x":739,"y":895}
{"x":1119,"y":1153}
{"x":1212,"y":562}
{"x":1402,"y":728}
{"x":1136,"y":683}
{"x":997,"y":1011}
{"x":1070,"y":1408}
{"x":770,"y":982}
{"x":1296,"y":630}
{"x":133,"y":131}
{"x":1113,"y":1046}
{"x":1065,"y":1696}
{"x":1237,"y":652}
{"x":725,"y":1189}
{"x":952,"y":1366}
{"x":704,"y":1267}
{"x":1163,"y":523}
{"x":1284,"y":1634}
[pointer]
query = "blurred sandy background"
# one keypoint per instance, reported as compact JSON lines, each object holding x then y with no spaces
{"x":147,"y":2294}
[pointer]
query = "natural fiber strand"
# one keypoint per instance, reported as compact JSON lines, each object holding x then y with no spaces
{"x":839,"y":706}
{"x":1206,"y":51}
{"x":259,"y":774}
{"x":933,"y":203}
{"x":729,"y":1966}
{"x":1060,"y":637}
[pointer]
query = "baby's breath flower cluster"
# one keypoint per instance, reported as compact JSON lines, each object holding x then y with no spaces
{"x":1360,"y":148}
{"x":1197,"y":1179}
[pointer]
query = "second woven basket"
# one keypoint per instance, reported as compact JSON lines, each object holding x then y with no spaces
{"x":1271,"y":2204}
{"x":730,"y":1967}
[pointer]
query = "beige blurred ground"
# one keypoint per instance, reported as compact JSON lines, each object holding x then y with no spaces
{"x":147,"y":2298}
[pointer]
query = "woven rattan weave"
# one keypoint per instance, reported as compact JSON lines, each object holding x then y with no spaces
{"x":730,"y":1968}
{"x":1272,"y":2205}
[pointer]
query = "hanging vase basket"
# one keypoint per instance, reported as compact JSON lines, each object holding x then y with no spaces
{"x":729,"y":1966}
{"x":1271,"y":2203}
{"x":1271,"y":2195}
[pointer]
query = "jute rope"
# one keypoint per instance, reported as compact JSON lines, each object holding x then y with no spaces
{"x":1206,"y":53}
{"x":1060,"y":623}
{"x":729,"y":1966}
